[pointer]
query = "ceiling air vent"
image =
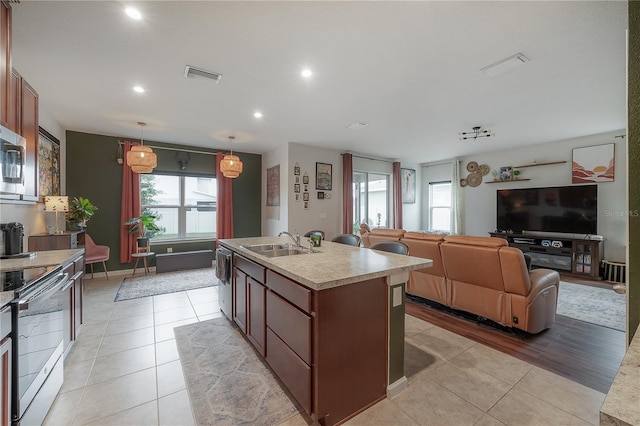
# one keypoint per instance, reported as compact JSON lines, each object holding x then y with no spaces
{"x":190,"y":71}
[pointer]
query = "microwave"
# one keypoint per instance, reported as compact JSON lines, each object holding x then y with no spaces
{"x":12,"y":162}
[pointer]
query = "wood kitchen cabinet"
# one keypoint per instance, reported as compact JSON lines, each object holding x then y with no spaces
{"x":5,"y":366}
{"x":72,"y":301}
{"x":5,"y":61}
{"x":66,"y":240}
{"x":249,"y":300}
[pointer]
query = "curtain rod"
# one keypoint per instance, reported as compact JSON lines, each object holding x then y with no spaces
{"x":369,"y":158}
{"x":176,"y":149}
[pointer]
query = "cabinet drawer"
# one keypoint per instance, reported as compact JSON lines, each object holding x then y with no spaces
{"x":5,"y":322}
{"x":252,"y":269}
{"x":294,"y":373}
{"x":290,"y":290}
{"x":291,"y":325}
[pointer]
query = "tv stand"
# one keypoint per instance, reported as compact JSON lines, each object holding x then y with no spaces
{"x":577,"y":256}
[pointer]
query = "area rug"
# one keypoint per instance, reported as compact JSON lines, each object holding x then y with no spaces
{"x":594,"y":305}
{"x":227,"y":383}
{"x":167,"y":282}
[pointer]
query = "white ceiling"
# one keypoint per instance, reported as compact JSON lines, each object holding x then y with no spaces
{"x":411,"y":70}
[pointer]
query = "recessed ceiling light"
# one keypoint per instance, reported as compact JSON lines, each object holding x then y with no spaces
{"x":306,"y":73}
{"x":257,"y":114}
{"x":133,"y":13}
{"x":138,"y":89}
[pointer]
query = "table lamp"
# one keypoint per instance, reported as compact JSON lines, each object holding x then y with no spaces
{"x":57,"y":204}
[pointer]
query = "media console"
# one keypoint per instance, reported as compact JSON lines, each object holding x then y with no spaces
{"x":578,"y":256}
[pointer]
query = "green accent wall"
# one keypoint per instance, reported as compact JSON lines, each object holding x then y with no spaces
{"x":633,"y":135}
{"x":93,"y":172}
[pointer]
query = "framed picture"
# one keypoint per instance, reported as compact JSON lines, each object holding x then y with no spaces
{"x":593,"y":164}
{"x":506,"y":173}
{"x":323,"y":176}
{"x":408,"y":177}
{"x":297,"y":197}
{"x":48,"y":164}
{"x":296,"y":170}
{"x":273,"y":186}
{"x":306,"y":188}
{"x":305,"y":178}
{"x":320,"y":195}
{"x":296,"y":188}
{"x":305,"y":196}
{"x":306,"y":205}
{"x":297,"y":179}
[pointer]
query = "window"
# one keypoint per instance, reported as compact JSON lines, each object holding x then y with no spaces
{"x":370,"y":199}
{"x":185,"y":206}
{"x":440,"y":206}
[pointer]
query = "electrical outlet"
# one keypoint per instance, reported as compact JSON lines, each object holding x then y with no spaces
{"x":169,"y":250}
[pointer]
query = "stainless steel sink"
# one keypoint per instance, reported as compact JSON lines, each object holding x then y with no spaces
{"x":276,"y":250}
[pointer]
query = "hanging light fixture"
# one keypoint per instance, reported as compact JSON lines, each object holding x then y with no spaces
{"x":141,"y":158}
{"x":477,"y":132}
{"x":231,"y":166}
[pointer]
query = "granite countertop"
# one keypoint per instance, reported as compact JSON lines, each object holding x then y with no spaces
{"x":41,"y":258}
{"x":622,"y":403}
{"x":332,"y":266}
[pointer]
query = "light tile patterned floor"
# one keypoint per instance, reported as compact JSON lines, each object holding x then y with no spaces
{"x":124,"y":370}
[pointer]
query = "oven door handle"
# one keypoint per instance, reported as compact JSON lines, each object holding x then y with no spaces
{"x":47,"y":291}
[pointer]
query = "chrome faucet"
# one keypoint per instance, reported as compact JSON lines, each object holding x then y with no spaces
{"x":296,"y":239}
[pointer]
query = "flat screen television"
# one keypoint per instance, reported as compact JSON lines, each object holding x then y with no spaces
{"x":567,"y":209}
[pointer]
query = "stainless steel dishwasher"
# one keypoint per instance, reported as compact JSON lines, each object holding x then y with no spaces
{"x":224,"y":274}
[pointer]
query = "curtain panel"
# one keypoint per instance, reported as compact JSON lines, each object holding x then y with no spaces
{"x":347,"y":194}
{"x":130,"y":206}
{"x":224,"y":221}
{"x":397,"y":196}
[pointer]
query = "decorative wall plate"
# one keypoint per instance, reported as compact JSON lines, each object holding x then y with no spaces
{"x":483,"y":169}
{"x":463,"y":182}
{"x":472,"y":166}
{"x":474,"y":179}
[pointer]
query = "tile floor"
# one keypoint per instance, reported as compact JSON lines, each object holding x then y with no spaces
{"x":124,"y":370}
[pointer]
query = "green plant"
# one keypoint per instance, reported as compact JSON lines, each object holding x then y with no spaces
{"x":81,"y":210}
{"x":144,"y":225}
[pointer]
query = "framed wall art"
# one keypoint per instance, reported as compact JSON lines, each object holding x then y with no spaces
{"x":323,"y":176}
{"x":48,"y":164}
{"x":273,"y":186}
{"x":408,"y":177}
{"x":593,"y":164}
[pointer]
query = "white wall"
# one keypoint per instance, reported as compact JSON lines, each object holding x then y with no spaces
{"x":480,"y":202}
{"x":275,"y":218}
{"x":411,"y":220}
{"x":325,"y":214}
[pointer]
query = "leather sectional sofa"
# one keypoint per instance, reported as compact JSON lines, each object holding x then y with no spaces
{"x":480,"y":275}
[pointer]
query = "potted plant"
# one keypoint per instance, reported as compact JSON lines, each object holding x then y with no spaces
{"x":145,"y":226}
{"x":80,"y":211}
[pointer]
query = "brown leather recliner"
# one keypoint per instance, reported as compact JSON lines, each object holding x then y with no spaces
{"x":377,"y":235}
{"x":490,"y":279}
{"x":429,"y":283}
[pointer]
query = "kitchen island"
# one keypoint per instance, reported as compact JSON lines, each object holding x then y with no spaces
{"x":330,"y":324}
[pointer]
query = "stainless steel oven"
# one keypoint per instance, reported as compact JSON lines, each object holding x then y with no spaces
{"x":37,"y":333}
{"x":12,"y":162}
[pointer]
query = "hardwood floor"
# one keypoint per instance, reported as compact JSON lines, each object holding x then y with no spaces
{"x":585,"y":353}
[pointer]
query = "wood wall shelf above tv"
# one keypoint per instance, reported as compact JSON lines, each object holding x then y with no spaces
{"x":507,"y":181}
{"x":539,"y":164}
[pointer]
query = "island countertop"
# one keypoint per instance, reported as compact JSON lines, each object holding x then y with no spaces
{"x":41,"y":258}
{"x":333,"y":265}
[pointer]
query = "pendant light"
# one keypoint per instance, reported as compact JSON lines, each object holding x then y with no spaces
{"x":231,"y":166}
{"x":141,"y":158}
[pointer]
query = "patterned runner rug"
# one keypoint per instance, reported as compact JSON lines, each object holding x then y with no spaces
{"x":594,"y":305}
{"x":167,"y":282}
{"x":227,"y":382}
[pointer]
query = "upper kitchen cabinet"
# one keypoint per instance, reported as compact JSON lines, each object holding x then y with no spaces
{"x":5,"y":61}
{"x":29,"y":129}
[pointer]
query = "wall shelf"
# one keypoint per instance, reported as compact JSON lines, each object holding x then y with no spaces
{"x":507,"y":181}
{"x":539,"y":164}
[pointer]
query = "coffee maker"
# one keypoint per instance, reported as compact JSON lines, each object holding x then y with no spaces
{"x":12,"y":235}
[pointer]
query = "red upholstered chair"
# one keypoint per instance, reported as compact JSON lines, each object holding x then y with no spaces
{"x":94,"y":254}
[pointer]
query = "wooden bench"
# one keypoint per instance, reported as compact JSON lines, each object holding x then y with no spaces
{"x":167,"y":262}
